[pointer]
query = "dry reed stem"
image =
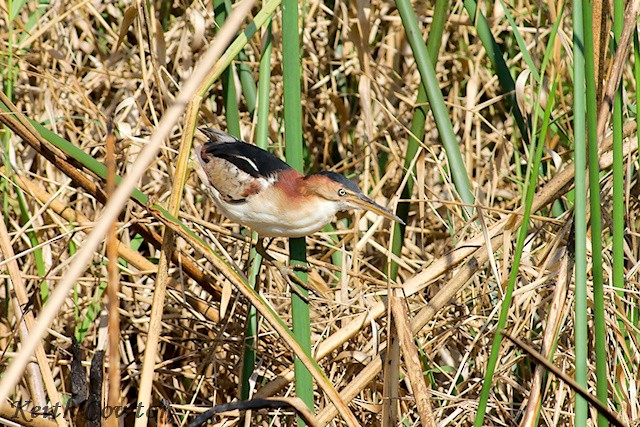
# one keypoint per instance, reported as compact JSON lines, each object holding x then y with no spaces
{"x":240,"y":283}
{"x":69,"y":214}
{"x":113,"y":287}
{"x":33,"y":375}
{"x":155,"y":327}
{"x":611,"y":416}
{"x":617,"y":66}
{"x":411,"y":359}
{"x":8,"y":412}
{"x":16,"y":120}
{"x":472,"y":250}
{"x":26,"y":321}
{"x":391,"y":376}
{"x":558,"y":311}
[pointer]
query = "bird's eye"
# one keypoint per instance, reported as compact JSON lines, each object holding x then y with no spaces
{"x":341,"y":192}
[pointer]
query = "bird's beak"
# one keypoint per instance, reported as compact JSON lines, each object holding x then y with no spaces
{"x":363,"y":202}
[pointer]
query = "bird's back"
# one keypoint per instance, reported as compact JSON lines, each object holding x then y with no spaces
{"x":247,"y":157}
{"x":236,"y":169}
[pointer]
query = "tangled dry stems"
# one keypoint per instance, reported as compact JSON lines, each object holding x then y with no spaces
{"x":74,"y":73}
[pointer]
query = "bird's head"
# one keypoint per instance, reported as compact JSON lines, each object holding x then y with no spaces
{"x":344,"y":193}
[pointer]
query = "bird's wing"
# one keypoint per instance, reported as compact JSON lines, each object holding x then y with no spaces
{"x":238,"y":170}
{"x":250,"y":159}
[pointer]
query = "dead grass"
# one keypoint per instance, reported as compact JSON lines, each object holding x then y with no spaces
{"x":75,"y":73}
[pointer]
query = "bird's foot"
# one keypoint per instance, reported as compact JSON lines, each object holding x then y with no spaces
{"x":290,"y":276}
{"x":300,"y":267}
{"x":288,"y":272}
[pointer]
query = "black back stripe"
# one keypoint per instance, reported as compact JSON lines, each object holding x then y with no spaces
{"x":250,"y":159}
{"x":241,"y":163}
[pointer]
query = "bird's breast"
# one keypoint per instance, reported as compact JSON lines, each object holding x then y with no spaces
{"x":274,"y":213}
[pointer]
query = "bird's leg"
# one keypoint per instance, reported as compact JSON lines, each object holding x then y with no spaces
{"x":287,"y":272}
{"x":263,"y":251}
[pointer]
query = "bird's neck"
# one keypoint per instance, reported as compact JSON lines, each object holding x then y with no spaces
{"x":289,"y":183}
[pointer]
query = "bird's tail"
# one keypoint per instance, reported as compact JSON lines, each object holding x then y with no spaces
{"x":217,"y":136}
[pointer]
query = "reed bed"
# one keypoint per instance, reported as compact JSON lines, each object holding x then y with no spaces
{"x":409,"y":324}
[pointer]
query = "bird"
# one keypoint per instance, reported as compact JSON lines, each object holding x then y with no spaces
{"x":255,"y":188}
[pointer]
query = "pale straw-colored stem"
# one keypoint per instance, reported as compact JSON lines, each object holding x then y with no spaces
{"x":26,"y":325}
{"x":160,"y":289}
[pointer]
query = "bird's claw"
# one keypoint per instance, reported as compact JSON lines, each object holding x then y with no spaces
{"x":301,"y":267}
{"x":298,"y":292}
{"x":288,"y":273}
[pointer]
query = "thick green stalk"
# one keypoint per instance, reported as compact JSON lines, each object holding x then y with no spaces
{"x":618,"y":198}
{"x":262,"y":134}
{"x":251,"y":328}
{"x":618,"y":170}
{"x":245,"y":75}
{"x":417,"y":132}
{"x":580,"y":212}
{"x":294,"y":153}
{"x":634,"y":311}
{"x":239,"y":43}
{"x":440,"y":111}
{"x":600,"y":334}
{"x":246,"y":82}
{"x":264,"y":86}
{"x":229,"y":95}
{"x":301,"y":320}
